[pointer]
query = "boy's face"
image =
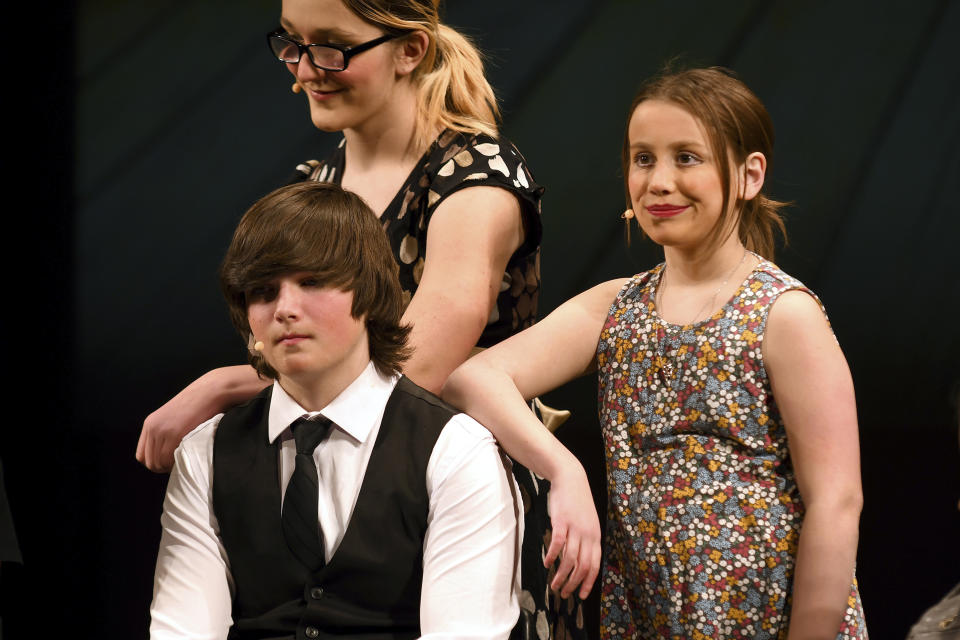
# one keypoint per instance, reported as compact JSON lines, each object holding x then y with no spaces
{"x":307,"y":331}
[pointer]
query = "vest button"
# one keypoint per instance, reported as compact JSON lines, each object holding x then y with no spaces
{"x":316,"y":593}
{"x":311,"y":632}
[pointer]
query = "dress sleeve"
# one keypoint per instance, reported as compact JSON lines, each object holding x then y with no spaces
{"x":485,"y":161}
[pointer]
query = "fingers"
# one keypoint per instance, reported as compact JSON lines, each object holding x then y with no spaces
{"x":163,"y":460}
{"x":579,"y":563}
{"x":141,"y":448}
{"x":592,"y":570}
{"x":159,"y":456}
{"x":557,"y":539}
{"x":154,"y":453}
{"x":571,"y":575}
{"x":565,"y":580}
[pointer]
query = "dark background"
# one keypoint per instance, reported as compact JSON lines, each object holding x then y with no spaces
{"x":138,"y":133}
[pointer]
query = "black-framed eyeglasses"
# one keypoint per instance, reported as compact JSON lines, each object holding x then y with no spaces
{"x":329,"y":57}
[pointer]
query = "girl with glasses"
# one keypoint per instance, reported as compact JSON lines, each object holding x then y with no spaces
{"x":460,"y":207}
{"x":726,"y":405}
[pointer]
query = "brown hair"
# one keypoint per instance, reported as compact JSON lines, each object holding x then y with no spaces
{"x":452,"y":91}
{"x":321,"y":229}
{"x":736,"y":123}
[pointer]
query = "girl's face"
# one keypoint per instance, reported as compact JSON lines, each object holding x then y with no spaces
{"x":341,"y":99}
{"x":673,"y":178}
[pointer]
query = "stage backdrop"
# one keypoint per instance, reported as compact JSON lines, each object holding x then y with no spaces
{"x":148,"y":144}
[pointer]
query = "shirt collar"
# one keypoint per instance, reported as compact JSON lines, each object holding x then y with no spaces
{"x":355,"y":411}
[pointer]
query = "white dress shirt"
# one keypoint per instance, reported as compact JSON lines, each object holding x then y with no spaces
{"x":470,"y":552}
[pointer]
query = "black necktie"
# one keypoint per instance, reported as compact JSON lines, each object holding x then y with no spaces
{"x":300,"y":502}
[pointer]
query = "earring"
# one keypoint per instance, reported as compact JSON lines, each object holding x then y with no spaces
{"x":258,"y":346}
{"x":627,"y":216}
{"x":296,"y":88}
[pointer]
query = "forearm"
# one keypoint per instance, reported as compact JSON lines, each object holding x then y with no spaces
{"x":824,"y":569}
{"x":490,"y":396}
{"x":212,"y":393}
{"x":227,"y":387}
{"x":217,"y":391}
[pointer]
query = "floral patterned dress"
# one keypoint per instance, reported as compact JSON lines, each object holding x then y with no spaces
{"x":704,"y":512}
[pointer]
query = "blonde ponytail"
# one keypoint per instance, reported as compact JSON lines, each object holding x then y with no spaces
{"x":455,"y":94}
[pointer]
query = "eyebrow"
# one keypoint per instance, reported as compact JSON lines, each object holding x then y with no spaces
{"x":676,"y":145}
{"x":338,"y":34}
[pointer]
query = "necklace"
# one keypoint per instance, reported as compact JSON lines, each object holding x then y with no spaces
{"x":666,"y":366}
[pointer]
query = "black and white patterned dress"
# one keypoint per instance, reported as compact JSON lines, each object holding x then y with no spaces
{"x":456,"y":161}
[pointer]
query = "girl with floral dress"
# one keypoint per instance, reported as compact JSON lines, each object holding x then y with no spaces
{"x":726,"y":405}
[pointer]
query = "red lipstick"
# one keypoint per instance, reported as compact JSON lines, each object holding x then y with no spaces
{"x":665,"y":210}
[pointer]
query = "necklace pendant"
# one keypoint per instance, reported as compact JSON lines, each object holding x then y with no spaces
{"x":667,"y":368}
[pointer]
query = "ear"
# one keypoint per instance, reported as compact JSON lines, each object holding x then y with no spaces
{"x":411,"y":50}
{"x":754,"y":170}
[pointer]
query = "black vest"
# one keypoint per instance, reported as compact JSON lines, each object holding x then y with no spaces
{"x":371,"y":586}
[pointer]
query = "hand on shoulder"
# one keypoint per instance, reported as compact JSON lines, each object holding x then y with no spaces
{"x":202,"y":399}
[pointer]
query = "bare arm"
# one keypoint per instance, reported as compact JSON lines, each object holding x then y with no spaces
{"x":212,"y":393}
{"x":471,"y":236}
{"x":493,"y":388}
{"x":813,"y":389}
